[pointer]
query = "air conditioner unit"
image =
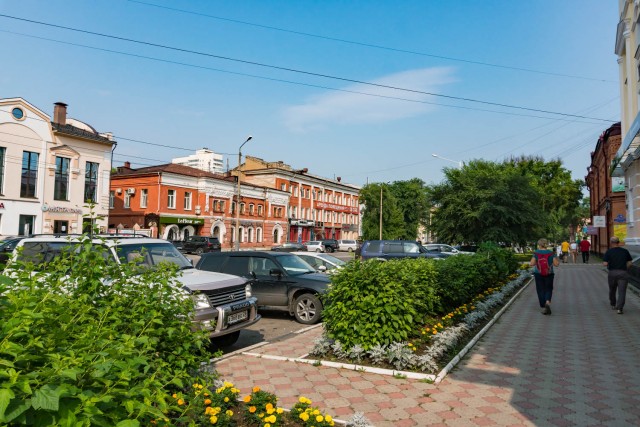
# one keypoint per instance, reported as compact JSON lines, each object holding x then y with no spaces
{"x":131,"y":191}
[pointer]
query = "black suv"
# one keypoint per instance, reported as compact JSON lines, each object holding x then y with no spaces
{"x":280,"y":280}
{"x":201,"y":244}
{"x":330,"y":245}
{"x":396,"y":249}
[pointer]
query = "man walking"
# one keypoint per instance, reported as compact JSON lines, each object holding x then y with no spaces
{"x":585,"y":247}
{"x":565,"y":251}
{"x":617,"y":260}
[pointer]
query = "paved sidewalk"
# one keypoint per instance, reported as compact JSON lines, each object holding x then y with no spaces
{"x":577,"y":367}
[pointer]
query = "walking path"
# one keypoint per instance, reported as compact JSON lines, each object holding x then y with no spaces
{"x":577,"y":367}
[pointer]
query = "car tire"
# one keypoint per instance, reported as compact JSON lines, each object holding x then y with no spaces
{"x":349,"y":250}
{"x":307,"y":309}
{"x":224,"y":341}
{"x":199,"y":251}
{"x":318,"y":250}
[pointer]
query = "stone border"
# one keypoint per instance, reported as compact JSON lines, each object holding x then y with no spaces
{"x":435,"y":378}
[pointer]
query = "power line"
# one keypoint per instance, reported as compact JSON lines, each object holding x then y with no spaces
{"x":371,"y":45}
{"x":293,"y":70}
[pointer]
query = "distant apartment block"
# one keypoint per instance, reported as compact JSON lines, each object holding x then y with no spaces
{"x":204,"y":159}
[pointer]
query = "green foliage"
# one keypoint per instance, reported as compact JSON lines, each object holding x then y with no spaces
{"x":412,"y":199}
{"x":485,"y":201}
{"x":392,"y":218}
{"x":377,"y":302}
{"x":77,"y":351}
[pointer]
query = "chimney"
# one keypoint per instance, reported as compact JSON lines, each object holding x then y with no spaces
{"x":339,"y":179}
{"x":60,"y":113}
{"x":127,"y":165}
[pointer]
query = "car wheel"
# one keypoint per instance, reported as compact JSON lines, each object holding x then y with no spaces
{"x":199,"y":251}
{"x":307,"y":309}
{"x":318,"y":250}
{"x":349,"y":249}
{"x":224,"y":341}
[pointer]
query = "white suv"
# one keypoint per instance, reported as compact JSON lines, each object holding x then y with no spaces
{"x":347,"y":245}
{"x":314,"y":246}
{"x":223,"y":302}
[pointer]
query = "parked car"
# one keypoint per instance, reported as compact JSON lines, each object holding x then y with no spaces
{"x":445,"y":249}
{"x":314,"y":246}
{"x":289,"y":247}
{"x":321,"y":262}
{"x":330,"y":245}
{"x":467,"y":248}
{"x":224,"y":304}
{"x":280,"y":280}
{"x":7,"y":245}
{"x":396,"y":249}
{"x":201,"y":244}
{"x":347,"y":245}
{"x":634,"y":272}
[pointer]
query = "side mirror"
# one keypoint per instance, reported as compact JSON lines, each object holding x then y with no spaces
{"x":275,"y":272}
{"x":322,"y":268}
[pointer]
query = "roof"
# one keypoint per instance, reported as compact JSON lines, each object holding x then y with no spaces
{"x":71,"y":130}
{"x":172,"y":168}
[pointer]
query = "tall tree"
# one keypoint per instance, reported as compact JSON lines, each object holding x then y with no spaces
{"x":392,"y":222}
{"x":485,"y":201}
{"x":412,"y":199}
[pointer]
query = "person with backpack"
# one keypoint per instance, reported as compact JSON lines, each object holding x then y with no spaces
{"x":543,"y":261}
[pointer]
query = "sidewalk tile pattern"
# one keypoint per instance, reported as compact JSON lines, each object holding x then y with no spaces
{"x":576,"y":367}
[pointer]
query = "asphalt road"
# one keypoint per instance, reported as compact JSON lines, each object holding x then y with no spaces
{"x":274,"y":324}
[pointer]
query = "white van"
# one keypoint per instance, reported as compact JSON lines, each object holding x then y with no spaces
{"x":347,"y":245}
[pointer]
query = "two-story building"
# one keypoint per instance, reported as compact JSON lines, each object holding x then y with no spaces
{"x":318,"y":207}
{"x":176,"y":201}
{"x":62,"y":166}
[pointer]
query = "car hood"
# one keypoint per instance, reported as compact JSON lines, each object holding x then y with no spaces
{"x":312,"y":277}
{"x":200,"y":280}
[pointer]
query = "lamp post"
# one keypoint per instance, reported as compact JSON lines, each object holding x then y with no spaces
{"x":380,"y":238}
{"x":459,"y":163}
{"x":238,"y":195}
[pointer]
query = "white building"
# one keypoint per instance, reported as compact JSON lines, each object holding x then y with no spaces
{"x":204,"y":159}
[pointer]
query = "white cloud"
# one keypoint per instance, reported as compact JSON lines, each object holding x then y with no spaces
{"x":346,"y":108}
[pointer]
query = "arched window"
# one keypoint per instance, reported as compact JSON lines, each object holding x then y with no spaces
{"x":259,"y":235}
{"x":250,"y":235}
{"x":242,"y":208}
{"x":276,"y":236}
{"x":251,"y":209}
{"x":241,"y":232}
{"x":259,"y":210}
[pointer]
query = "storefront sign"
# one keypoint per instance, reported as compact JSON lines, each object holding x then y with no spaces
{"x":184,"y":221}
{"x":349,"y":227}
{"x":599,"y":221}
{"x":60,"y":209}
{"x":302,"y":222}
{"x":591,"y":230}
{"x":340,"y":208}
{"x":620,"y":218}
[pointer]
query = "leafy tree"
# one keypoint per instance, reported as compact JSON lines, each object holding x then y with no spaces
{"x":412,"y":199}
{"x":486,"y":201}
{"x":392,"y":221}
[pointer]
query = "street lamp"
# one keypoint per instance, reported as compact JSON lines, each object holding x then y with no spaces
{"x":459,"y":163}
{"x":238,"y":195}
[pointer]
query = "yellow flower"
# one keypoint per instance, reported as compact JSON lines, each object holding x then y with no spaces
{"x":316,"y":412}
{"x":213,"y":419}
{"x":206,"y":394}
{"x":267,"y":425}
{"x":319,"y":418}
{"x":235,"y":390}
{"x":435,"y":332}
{"x":195,"y":385}
{"x":207,"y":401}
{"x":227,"y":384}
{"x":175,"y":396}
{"x":304,"y":416}
{"x":226,"y":399}
{"x":180,"y":402}
{"x":256,"y":389}
{"x":209,"y":411}
{"x":229,"y":412}
{"x":247,"y":399}
{"x":270,"y":410}
{"x":279,"y":410}
{"x":252,"y":409}
{"x":260,"y":415}
{"x":328,"y":418}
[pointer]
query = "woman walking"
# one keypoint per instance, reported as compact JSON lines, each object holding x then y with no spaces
{"x":543,"y":261}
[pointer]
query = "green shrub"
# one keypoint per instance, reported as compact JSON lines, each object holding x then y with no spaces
{"x":376,"y":302}
{"x":74,"y":351}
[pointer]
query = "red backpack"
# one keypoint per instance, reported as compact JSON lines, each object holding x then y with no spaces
{"x":544,"y":263}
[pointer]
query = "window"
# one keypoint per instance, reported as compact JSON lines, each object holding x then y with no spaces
{"x":283,"y":187}
{"x":233,"y":207}
{"x":187,"y":201}
{"x":222,"y":206}
{"x":17,"y":113}
{"x":25,"y":225}
{"x":90,"y":182}
{"x":61,"y":186}
{"x":251,"y":207}
{"x":171,"y":199}
{"x":144,"y":194}
{"x":259,"y":210}
{"x":259,"y":235}
{"x":295,"y":191}
{"x":127,"y":200}
{"x":242,"y":208}
{"x":112,"y":197}
{"x":216,"y":206}
{"x":29,"y":174}
{"x":250,"y":235}
{"x":2,"y":156}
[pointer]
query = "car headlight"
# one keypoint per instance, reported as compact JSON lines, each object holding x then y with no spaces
{"x":202,"y":302}
{"x":247,"y":290}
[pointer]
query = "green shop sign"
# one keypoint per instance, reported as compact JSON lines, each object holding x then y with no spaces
{"x":178,"y":220}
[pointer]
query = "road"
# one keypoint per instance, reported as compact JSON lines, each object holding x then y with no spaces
{"x":274,"y":324}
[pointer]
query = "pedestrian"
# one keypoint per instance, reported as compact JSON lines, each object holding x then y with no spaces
{"x":543,"y":261}
{"x":559,"y":251}
{"x":565,"y":251}
{"x":617,"y":259}
{"x":585,"y":247}
{"x":573,"y":247}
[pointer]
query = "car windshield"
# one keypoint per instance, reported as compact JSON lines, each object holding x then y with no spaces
{"x":41,"y":253}
{"x":150,"y":254}
{"x":294,"y":265}
{"x":332,"y":259}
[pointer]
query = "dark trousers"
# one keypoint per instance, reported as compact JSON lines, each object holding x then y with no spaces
{"x":544,"y":288}
{"x":618,"y":280}
{"x":585,"y":257}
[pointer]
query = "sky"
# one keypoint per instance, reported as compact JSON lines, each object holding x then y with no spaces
{"x":367,"y":91}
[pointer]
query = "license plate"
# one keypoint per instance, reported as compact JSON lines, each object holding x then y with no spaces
{"x":237,"y":317}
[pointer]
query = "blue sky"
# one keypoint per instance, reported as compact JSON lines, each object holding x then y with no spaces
{"x":347,"y":126}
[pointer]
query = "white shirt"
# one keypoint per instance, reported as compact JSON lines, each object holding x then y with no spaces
{"x":573,"y":246}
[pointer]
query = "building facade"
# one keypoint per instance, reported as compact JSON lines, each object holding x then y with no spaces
{"x":318,"y":208}
{"x":606,"y":192}
{"x":204,"y":159}
{"x":62,"y":165}
{"x":175,"y":201}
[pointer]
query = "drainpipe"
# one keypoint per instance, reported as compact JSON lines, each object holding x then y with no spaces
{"x":158,"y":209}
